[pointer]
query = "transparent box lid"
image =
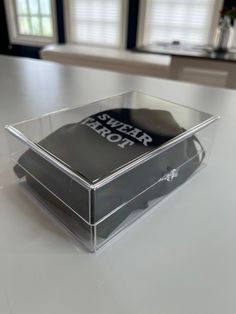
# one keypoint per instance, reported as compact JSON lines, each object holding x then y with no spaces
{"x":100,"y":141}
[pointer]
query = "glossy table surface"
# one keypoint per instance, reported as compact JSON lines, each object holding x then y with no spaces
{"x":199,"y":52}
{"x":179,"y":259}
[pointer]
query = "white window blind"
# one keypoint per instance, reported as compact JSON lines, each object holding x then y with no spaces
{"x":95,"y":22}
{"x":187,"y":21}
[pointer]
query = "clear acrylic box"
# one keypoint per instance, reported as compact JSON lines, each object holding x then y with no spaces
{"x":100,"y":167}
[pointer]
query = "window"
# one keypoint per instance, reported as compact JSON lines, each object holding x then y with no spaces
{"x":31,"y":21}
{"x":96,"y":22}
{"x":187,"y":21}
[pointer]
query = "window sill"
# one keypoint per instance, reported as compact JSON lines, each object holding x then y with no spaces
{"x":108,"y":59}
{"x":33,"y":41}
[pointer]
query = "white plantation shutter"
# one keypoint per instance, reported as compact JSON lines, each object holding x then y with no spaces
{"x":96,"y":22}
{"x":187,"y":21}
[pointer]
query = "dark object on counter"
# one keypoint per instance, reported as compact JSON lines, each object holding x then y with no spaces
{"x":95,"y":148}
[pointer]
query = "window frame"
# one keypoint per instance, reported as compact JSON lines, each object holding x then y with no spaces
{"x":124,"y":25}
{"x":16,"y":38}
{"x":142,"y":14}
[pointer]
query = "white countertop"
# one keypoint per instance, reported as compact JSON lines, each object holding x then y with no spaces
{"x":180,"y":259}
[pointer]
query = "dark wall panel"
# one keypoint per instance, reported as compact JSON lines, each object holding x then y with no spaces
{"x":229,"y":3}
{"x":132,"y":23}
{"x":3,"y":30}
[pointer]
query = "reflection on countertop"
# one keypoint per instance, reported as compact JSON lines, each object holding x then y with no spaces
{"x":187,"y":50}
